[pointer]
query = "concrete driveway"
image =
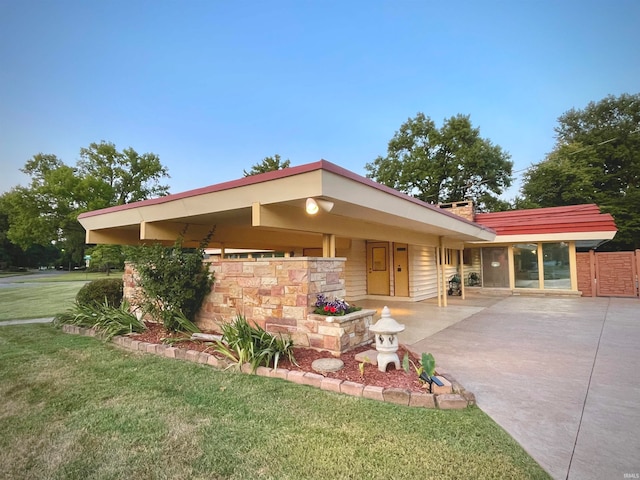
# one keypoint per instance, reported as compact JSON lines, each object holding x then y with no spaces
{"x":561,"y":375}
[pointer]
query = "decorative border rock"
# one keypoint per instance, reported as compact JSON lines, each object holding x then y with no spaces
{"x":330,"y":384}
{"x":399,"y":396}
{"x":351,"y":388}
{"x":451,"y":401}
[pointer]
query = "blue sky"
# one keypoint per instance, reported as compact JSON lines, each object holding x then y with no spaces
{"x":213,"y":87}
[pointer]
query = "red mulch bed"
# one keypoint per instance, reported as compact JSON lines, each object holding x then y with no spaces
{"x":305,"y":357}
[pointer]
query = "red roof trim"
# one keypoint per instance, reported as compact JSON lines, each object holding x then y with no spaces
{"x":274,"y":175}
{"x":567,"y":219}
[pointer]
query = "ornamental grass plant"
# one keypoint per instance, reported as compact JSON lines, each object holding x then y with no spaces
{"x":107,"y":320}
{"x":243,"y":343}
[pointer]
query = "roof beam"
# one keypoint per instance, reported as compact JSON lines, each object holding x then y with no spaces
{"x":112,"y":237}
{"x":292,"y":218}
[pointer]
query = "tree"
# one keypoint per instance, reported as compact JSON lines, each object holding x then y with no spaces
{"x":566,"y":177}
{"x":115,"y":178}
{"x":596,"y":159}
{"x":444,"y":165}
{"x":46,"y":211}
{"x":106,"y":257}
{"x":268,"y":164}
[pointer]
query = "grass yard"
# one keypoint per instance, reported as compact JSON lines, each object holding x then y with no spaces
{"x":28,"y":301}
{"x":68,"y":277}
{"x":54,"y":293}
{"x":74,"y":408}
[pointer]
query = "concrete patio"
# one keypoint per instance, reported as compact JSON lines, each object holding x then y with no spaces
{"x":561,"y":375}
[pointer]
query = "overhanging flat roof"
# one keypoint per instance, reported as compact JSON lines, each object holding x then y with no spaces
{"x":583,"y":223}
{"x":256,"y":211}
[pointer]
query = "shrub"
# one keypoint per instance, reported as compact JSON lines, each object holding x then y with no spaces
{"x":95,"y":293}
{"x":174,"y":281}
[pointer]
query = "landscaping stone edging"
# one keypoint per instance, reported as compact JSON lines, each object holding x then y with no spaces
{"x":459,"y":399}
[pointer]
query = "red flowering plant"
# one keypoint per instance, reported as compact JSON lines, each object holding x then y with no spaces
{"x":336,"y":307}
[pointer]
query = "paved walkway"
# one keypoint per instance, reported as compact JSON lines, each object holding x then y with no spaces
{"x":561,"y":375}
{"x":30,"y":320}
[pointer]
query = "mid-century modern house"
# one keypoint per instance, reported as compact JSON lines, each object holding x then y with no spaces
{"x":335,"y":232}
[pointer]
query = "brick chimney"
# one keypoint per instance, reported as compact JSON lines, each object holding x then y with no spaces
{"x":462,"y":209}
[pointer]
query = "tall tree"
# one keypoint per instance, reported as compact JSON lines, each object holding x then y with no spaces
{"x":116,"y":178}
{"x":443,"y":165}
{"x":46,"y":211}
{"x":596,"y":159}
{"x":268,"y":164}
{"x":106,"y":257}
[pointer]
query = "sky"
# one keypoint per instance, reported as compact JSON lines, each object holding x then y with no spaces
{"x":213,"y":87}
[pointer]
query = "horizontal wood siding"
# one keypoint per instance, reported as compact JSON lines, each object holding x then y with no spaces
{"x":422,"y":273}
{"x":355,"y":269}
{"x":475,"y":267}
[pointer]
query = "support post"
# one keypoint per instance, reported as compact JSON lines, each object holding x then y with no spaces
{"x":443,"y":275}
{"x":328,"y":245}
{"x":461,"y":262}
{"x":438,"y":281}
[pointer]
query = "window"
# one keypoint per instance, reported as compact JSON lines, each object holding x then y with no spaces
{"x":471,"y":256}
{"x":548,"y":272}
{"x":556,"y":265}
{"x":450,"y":257}
{"x":525,"y":260}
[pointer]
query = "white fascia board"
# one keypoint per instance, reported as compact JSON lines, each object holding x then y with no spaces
{"x":351,"y":191}
{"x":184,"y":206}
{"x":552,"y":237}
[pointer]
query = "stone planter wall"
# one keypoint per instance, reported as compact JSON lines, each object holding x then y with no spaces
{"x":340,"y":333}
{"x":278,"y":294}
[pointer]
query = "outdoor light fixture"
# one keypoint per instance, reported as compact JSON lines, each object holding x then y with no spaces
{"x":313,"y":206}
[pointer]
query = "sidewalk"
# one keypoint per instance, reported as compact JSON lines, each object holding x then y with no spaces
{"x":22,"y":322}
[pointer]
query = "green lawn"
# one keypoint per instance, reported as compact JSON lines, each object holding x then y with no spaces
{"x":39,"y":301}
{"x":52,"y":294}
{"x":69,"y":277}
{"x":75,"y":408}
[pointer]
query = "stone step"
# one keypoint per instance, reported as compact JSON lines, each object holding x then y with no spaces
{"x":324,"y":365}
{"x":369,"y":356}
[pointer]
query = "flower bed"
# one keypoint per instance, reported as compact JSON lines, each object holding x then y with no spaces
{"x":155,"y":333}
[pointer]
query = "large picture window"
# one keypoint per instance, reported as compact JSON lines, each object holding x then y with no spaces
{"x":556,"y":265}
{"x":525,"y":259}
{"x":550,"y":270}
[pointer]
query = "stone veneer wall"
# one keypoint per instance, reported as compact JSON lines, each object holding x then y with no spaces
{"x":278,"y":294}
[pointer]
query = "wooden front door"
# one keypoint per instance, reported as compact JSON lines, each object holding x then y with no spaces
{"x":378,"y":268}
{"x":401,"y":269}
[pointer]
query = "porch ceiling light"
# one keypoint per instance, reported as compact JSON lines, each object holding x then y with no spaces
{"x":313,"y":206}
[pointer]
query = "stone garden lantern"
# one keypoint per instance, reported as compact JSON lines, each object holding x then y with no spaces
{"x":386,"y":332}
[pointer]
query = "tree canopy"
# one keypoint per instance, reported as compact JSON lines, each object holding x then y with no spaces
{"x":45,"y":212}
{"x":596,"y":159}
{"x":447,"y":164}
{"x":268,"y":164}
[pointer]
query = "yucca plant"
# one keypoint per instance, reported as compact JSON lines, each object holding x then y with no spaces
{"x":107,"y":320}
{"x":245,"y":343}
